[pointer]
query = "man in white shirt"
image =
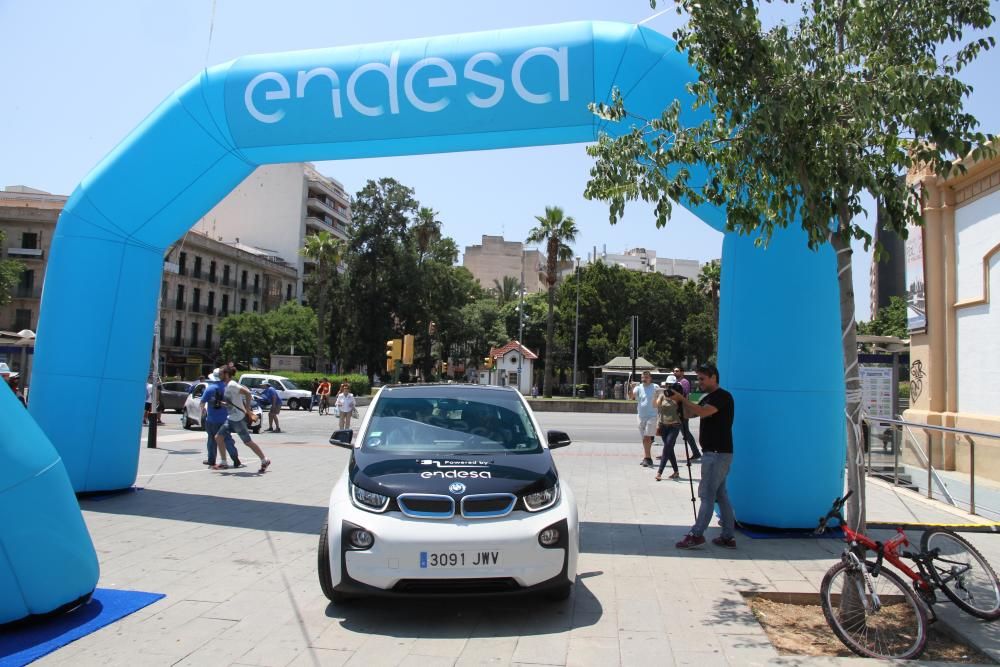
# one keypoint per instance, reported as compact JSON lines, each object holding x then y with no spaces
{"x":237,"y":403}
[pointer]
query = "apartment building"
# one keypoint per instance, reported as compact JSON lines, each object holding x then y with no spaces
{"x":646,"y":261}
{"x":28,"y":220}
{"x":496,"y":258}
{"x":277,"y":207}
{"x":205,"y":280}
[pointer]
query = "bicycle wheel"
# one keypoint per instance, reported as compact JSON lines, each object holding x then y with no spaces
{"x":893,"y":625}
{"x":963,"y":574}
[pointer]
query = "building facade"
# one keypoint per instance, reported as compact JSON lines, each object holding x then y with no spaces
{"x":888,"y":278}
{"x":205,"y":280}
{"x":496,"y":258}
{"x":955,"y":356}
{"x":646,"y":261}
{"x":277,"y":207}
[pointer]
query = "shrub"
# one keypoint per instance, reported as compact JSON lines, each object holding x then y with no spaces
{"x":360,"y":386}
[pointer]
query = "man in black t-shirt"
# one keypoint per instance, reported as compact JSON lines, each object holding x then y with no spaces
{"x":716,"y":410}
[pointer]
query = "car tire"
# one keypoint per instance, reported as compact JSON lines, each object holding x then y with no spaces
{"x":293,"y":404}
{"x":560,"y":593}
{"x":256,"y":429}
{"x":186,"y":422}
{"x":323,"y":567}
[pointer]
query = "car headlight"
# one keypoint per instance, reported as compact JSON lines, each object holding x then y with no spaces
{"x":368,"y":500}
{"x":536,"y":502}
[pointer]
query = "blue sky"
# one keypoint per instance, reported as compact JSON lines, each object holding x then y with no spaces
{"x":77,"y":77}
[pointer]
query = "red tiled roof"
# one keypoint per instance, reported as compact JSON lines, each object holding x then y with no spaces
{"x":512,"y":345}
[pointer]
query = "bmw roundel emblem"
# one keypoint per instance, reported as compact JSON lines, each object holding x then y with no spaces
{"x":456,"y":488}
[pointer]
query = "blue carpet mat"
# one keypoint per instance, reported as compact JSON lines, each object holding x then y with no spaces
{"x":26,"y":643}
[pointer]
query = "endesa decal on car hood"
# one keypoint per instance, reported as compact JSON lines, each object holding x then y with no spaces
{"x":501,"y":473}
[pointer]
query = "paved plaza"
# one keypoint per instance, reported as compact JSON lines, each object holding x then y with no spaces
{"x":235,"y":554}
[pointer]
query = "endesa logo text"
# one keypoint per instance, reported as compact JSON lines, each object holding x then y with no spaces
{"x":457,"y":474}
{"x":485,"y":69}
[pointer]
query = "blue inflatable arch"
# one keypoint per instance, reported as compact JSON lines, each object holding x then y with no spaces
{"x":779,"y":346}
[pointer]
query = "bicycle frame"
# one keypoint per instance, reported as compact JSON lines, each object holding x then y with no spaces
{"x":890,"y":551}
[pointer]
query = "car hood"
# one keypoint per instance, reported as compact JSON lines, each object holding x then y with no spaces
{"x":490,"y":473}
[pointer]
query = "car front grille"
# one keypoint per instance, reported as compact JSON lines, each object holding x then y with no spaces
{"x":426,"y":505}
{"x":455,"y":586}
{"x":488,"y":505}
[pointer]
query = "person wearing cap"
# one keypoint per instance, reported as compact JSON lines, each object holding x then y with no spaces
{"x":685,"y":429}
{"x":271,"y":398}
{"x":213,"y":415}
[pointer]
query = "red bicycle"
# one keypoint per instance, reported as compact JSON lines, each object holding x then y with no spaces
{"x":873,"y":611}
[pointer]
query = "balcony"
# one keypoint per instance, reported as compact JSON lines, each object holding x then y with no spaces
{"x":209,"y":310}
{"x":256,"y":289}
{"x":21,"y":292}
{"x":196,"y":274}
{"x":320,"y":205}
{"x":25,"y":253}
{"x":195,"y":307}
{"x":226,"y":282}
{"x":180,"y":304}
{"x":212,"y":278}
{"x":224,"y":312}
{"x":182,"y":270}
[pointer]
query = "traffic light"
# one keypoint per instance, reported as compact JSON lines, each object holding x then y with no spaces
{"x":488,"y":363}
{"x":393,"y":352}
{"x":408,"y":350}
{"x":444,"y":368}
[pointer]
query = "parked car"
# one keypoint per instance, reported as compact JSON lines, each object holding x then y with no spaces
{"x":173,"y":395}
{"x":191,"y":415}
{"x":450,"y":489}
{"x":289,"y":393}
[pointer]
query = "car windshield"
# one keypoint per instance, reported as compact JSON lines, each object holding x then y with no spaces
{"x":289,"y":385}
{"x":480,"y":423}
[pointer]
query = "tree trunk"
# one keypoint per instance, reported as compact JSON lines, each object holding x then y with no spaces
{"x":852,"y":386}
{"x":549,"y":334}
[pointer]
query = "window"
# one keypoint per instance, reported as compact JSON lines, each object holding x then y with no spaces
{"x":163,"y":328}
{"x":225,"y":274}
{"x":243,"y":280}
{"x":255,"y":306}
{"x":211,"y":301}
{"x":182,"y":264}
{"x":29,"y":240}
{"x":180,"y":297}
{"x":163,"y":291}
{"x":256,"y":281}
{"x":243,"y":305}
{"x":194,"y":335}
{"x":177,"y":333}
{"x":225,"y":304}
{"x":288,"y":292}
{"x":211,"y":271}
{"x":27,"y":279}
{"x":208,"y":335}
{"x":197,"y":267}
{"x":22,"y":318}
{"x":196,"y":298}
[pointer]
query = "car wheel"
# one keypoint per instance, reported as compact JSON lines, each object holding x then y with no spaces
{"x":186,"y":422}
{"x":256,"y":429}
{"x":559,"y":594}
{"x":323,"y":567}
{"x":293,"y":404}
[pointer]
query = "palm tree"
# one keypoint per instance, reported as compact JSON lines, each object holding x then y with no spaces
{"x":709,"y":282}
{"x":327,"y":251}
{"x":506,"y":291}
{"x":555,"y":231}
{"x":426,"y":230}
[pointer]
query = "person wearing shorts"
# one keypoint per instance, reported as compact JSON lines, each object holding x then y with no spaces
{"x":237,"y":397}
{"x":645,"y":397}
{"x":271,"y":398}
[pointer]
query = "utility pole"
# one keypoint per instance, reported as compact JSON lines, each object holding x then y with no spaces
{"x":576,"y":329}
{"x":520,"y":327}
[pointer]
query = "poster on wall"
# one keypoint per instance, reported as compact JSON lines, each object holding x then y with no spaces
{"x":916,"y":299}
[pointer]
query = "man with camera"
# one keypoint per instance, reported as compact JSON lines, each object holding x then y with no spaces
{"x":716,"y":410}
{"x":239,"y":414}
{"x":213,"y":416}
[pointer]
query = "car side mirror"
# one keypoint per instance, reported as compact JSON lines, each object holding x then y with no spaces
{"x":558,"y":439}
{"x":343,"y":438}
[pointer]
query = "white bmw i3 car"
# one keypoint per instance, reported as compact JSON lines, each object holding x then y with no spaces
{"x":450,"y":490}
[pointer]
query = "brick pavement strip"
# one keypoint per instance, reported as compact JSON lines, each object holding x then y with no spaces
{"x":235,"y":554}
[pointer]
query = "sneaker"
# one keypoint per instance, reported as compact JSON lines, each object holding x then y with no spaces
{"x":264,"y":464}
{"x":239,"y":465}
{"x":676,"y":475}
{"x":690,"y":542}
{"x":695,"y":458}
{"x":647,"y":463}
{"x":277,"y":430}
{"x":720,"y":541}
{"x":270,"y":430}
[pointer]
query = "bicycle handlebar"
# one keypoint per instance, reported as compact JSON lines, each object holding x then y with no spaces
{"x":834,"y":513}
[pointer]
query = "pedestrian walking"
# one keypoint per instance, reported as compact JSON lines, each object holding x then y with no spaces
{"x":645,"y":396}
{"x":685,"y":430}
{"x":716,"y":410}
{"x":271,"y":399}
{"x":670,"y":426}
{"x":149,"y":403}
{"x":345,"y":405}
{"x":323,"y":391}
{"x":214,"y":415}
{"x":237,"y":405}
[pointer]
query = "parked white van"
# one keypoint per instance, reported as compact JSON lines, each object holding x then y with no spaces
{"x":291,"y":395}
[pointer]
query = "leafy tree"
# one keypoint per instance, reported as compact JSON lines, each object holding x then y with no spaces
{"x":10,"y":272}
{"x":710,"y":282}
{"x":327,"y":251}
{"x":292,"y":325}
{"x":803,"y":119}
{"x":888,"y":321}
{"x":506,"y":290}
{"x":245,"y":336}
{"x":555,"y":231}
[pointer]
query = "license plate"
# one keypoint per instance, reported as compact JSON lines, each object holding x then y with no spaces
{"x":459,"y":559}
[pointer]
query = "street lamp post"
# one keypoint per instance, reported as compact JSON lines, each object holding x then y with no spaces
{"x":576,"y":328}
{"x":520,"y":326}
